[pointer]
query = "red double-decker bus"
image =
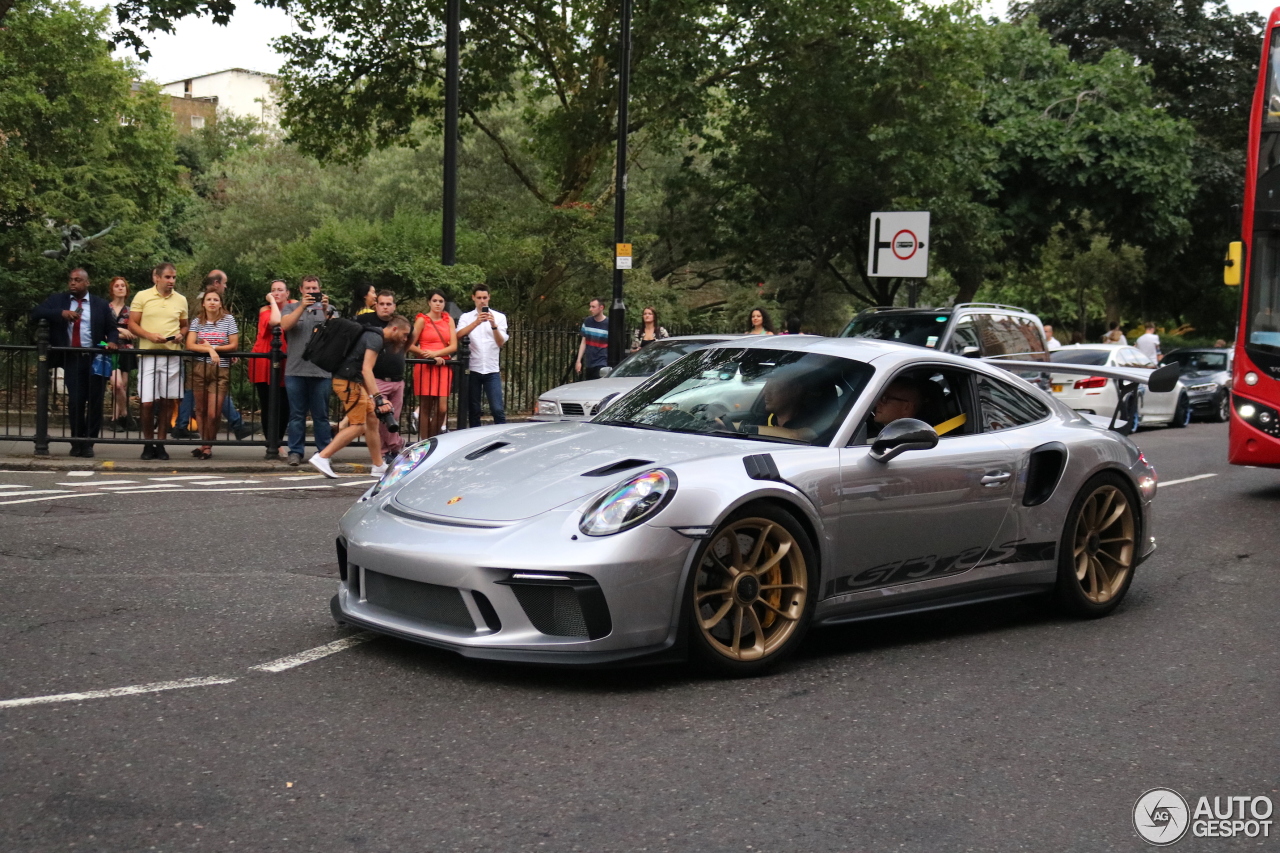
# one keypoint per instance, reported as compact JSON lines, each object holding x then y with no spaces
{"x":1255,"y":263}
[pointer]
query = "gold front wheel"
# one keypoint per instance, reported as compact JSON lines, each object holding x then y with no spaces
{"x":751,"y":591}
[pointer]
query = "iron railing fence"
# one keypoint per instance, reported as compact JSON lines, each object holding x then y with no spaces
{"x":34,"y":400}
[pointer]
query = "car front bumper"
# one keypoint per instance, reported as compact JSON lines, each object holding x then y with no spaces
{"x":536,"y":590}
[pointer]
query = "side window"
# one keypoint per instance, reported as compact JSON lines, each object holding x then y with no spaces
{"x":939,"y":397}
{"x":1004,"y":406}
{"x":964,"y":335}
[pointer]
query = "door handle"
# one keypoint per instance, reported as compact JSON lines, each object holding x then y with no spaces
{"x":996,"y":478}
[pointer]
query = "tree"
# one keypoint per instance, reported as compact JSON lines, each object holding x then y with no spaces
{"x":1204,"y":63}
{"x":77,"y":146}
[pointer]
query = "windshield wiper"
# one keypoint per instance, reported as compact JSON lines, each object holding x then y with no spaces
{"x":735,"y":434}
{"x":633,"y":425}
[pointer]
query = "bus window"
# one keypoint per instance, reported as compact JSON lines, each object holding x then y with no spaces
{"x":1264,"y":291}
{"x":1271,"y":114}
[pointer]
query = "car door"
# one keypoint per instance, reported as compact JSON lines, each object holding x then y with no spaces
{"x":1156,"y":407}
{"x":926,"y":515}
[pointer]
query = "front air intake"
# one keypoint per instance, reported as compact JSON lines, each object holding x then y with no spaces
{"x":562,"y":605}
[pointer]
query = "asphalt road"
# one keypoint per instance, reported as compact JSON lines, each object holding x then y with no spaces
{"x":1000,"y":727}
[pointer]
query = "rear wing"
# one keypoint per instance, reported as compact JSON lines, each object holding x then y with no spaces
{"x":1161,"y":379}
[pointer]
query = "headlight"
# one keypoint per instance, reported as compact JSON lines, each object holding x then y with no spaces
{"x":548,"y":407}
{"x":629,"y":503}
{"x":1207,"y":386}
{"x":411,"y":457}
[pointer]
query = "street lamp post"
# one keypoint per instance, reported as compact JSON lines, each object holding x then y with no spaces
{"x":448,"y":239}
{"x":618,"y":311}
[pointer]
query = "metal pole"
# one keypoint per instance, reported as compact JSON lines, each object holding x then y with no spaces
{"x":42,"y":388}
{"x":618,"y":312}
{"x":448,"y":242}
{"x":273,"y":391}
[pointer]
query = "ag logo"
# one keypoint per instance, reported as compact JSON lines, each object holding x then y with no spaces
{"x":1161,"y":816}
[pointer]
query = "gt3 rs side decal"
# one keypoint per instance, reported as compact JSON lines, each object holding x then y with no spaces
{"x":932,"y":566}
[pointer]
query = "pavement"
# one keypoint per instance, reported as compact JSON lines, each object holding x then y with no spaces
{"x":172,"y":680}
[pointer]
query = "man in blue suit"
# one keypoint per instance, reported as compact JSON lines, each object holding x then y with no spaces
{"x":77,"y":319}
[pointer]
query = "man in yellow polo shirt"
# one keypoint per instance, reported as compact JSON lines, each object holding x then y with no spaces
{"x":158,"y":316}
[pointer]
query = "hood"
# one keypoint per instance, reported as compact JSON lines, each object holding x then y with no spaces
{"x":593,"y":390}
{"x":530,"y":470}
{"x":1192,"y":377}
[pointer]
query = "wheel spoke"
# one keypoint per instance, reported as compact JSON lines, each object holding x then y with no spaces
{"x":782,"y":613}
{"x":1114,"y":516}
{"x":1082,"y":567}
{"x":761,"y":538}
{"x":1092,"y":572}
{"x":1103,"y":509}
{"x":702,"y":596}
{"x":717,"y":617}
{"x":728,"y":570}
{"x":735,"y":555}
{"x":1113,"y":558}
{"x":757,"y":630}
{"x":766,"y":586}
{"x":737,"y":631}
{"x":1128,"y":540}
{"x":783,"y":550}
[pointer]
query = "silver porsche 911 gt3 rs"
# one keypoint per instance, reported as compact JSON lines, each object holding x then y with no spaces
{"x":740,"y":496}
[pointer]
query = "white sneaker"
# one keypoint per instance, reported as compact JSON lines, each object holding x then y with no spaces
{"x":378,"y":470}
{"x":322,"y":465}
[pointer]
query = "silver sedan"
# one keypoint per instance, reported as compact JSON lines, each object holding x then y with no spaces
{"x":739,"y":497}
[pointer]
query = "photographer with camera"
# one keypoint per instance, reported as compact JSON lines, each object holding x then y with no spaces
{"x":306,"y":385}
{"x":389,"y":370}
{"x":357,"y":390}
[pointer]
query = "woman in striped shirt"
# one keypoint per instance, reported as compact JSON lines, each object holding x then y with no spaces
{"x":212,"y":332}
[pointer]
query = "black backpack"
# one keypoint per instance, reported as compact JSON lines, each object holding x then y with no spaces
{"x":331,"y":342}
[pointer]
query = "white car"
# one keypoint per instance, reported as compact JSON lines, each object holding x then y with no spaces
{"x":1097,"y":395}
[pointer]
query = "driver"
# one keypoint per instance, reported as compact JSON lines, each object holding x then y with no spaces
{"x":903,"y":398}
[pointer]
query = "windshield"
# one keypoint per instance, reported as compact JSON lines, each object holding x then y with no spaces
{"x":1094,"y":357}
{"x":1198,"y":361}
{"x":656,"y":356}
{"x":749,"y":394}
{"x":923,"y":329}
{"x":1263,"y":315}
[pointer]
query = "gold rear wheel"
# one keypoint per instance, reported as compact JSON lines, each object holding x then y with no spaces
{"x":751,"y":589}
{"x":1100,"y":548}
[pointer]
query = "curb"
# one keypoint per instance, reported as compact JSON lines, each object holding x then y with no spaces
{"x":31,"y":463}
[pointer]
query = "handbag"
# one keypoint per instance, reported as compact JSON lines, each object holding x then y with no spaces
{"x":102,"y":365}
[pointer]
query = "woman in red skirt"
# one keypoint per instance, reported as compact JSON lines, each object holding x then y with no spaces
{"x":434,"y":338}
{"x":278,"y":302}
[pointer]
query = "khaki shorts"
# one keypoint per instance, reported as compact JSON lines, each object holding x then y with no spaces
{"x":357,"y":405}
{"x":206,"y":377}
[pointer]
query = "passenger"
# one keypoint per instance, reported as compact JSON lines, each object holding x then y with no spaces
{"x":797,"y":405}
{"x":902,"y":399}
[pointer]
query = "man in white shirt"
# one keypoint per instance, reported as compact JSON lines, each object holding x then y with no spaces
{"x":1149,"y":343}
{"x":486,"y":330}
{"x":1049,"y":340}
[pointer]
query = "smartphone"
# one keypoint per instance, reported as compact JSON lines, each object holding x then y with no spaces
{"x":484,"y":310}
{"x":172,"y":338}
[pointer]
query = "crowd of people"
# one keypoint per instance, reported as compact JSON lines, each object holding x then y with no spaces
{"x":99,"y":343}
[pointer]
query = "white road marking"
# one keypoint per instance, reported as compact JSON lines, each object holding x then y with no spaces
{"x":364,"y":483}
{"x":310,"y":655}
{"x":223,"y":482}
{"x":57,"y":497}
{"x":15,"y":486}
{"x":116,"y":691}
{"x":96,"y":483}
{"x":182,"y":477}
{"x":38,"y":492}
{"x":1186,"y":480}
{"x":81,"y":473}
{"x":144,"y":486}
{"x":304,"y":477}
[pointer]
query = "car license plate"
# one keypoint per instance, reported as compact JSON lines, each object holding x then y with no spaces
{"x":1057,"y":389}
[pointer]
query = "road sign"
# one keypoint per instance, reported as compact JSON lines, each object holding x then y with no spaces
{"x":622,"y":256}
{"x":899,"y":244}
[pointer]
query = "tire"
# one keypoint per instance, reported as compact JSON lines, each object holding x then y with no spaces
{"x":1099,"y":548}
{"x":754,"y":580}
{"x":1181,"y":412}
{"x":1221,"y":408}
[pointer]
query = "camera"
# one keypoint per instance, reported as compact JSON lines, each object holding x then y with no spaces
{"x":388,"y":418}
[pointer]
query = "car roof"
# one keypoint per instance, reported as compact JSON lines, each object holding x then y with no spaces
{"x":706,"y":337}
{"x":866,"y":350}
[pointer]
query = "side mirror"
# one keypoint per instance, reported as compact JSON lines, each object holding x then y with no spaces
{"x":971,"y":352}
{"x":605,"y":371}
{"x":902,"y":435}
{"x":1163,"y":379}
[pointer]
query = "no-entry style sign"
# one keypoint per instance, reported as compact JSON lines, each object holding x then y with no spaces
{"x":899,"y":244}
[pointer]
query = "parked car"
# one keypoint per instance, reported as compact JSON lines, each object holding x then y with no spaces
{"x":578,"y":401}
{"x":741,"y":496}
{"x":979,"y":329}
{"x":1098,"y":395}
{"x":1206,"y":373}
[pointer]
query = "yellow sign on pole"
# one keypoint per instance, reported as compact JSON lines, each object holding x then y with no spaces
{"x":622,"y":256}
{"x":1233,"y":265}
